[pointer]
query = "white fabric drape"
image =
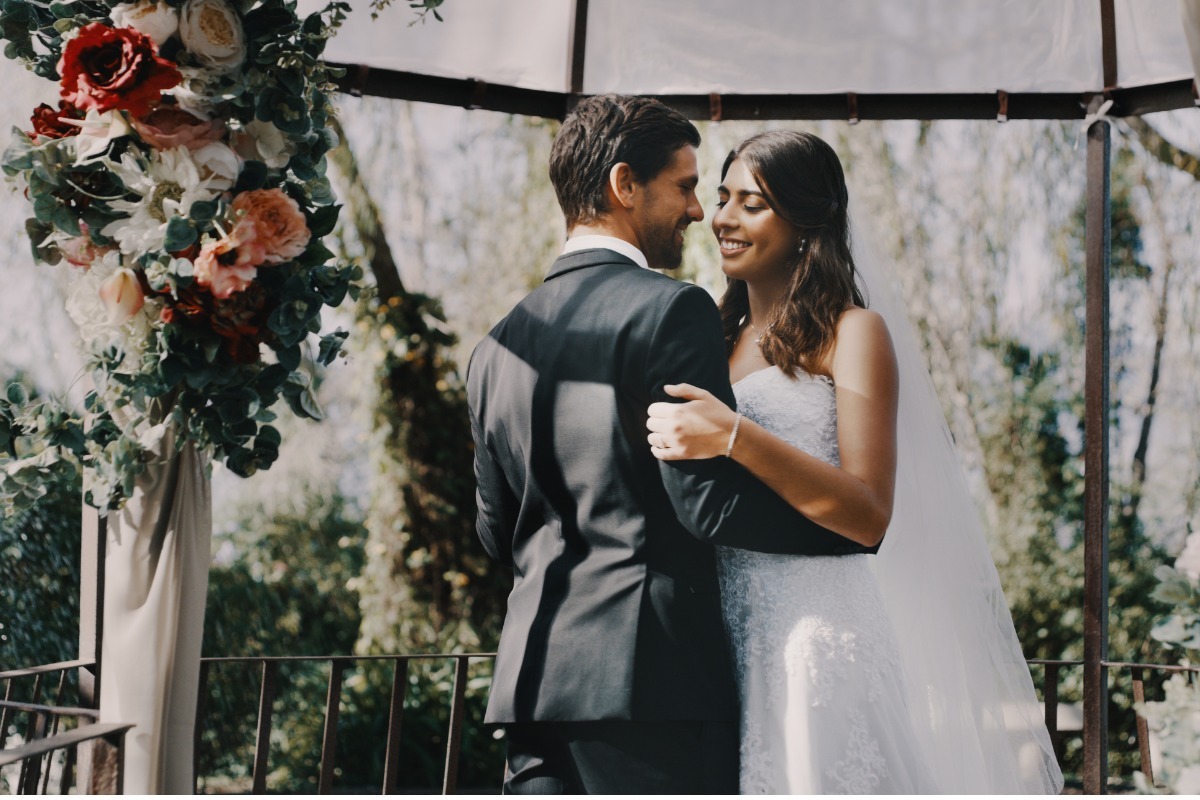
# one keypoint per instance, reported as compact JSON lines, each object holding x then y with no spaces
{"x":775,"y":46}
{"x":1190,"y":11}
{"x":155,"y":583}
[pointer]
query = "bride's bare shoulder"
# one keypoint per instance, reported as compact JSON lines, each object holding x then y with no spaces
{"x":862,"y":340}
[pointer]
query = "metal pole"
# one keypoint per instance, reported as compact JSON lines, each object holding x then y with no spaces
{"x":1096,"y":423}
{"x":93,"y":539}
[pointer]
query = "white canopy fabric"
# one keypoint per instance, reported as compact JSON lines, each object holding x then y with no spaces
{"x":781,"y":47}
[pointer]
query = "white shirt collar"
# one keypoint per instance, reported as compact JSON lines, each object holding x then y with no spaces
{"x":593,"y":240}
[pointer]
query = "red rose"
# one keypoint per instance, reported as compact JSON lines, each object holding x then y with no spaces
{"x":106,"y":68}
{"x":48,"y":121}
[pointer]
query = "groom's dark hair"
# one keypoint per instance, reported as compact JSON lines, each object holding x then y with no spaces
{"x":607,"y":130}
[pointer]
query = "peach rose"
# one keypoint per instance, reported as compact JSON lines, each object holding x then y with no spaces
{"x":279,"y":224}
{"x":122,"y":296}
{"x":228,"y":265}
{"x":170,"y":126}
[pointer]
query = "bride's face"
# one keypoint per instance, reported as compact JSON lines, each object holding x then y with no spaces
{"x":756,"y":243}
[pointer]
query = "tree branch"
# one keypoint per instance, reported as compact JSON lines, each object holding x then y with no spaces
{"x":1166,"y":152}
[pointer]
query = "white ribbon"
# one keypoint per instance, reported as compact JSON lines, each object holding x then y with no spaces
{"x":1100,"y":113}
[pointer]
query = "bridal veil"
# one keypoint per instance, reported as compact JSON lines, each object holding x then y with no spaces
{"x":969,"y":689}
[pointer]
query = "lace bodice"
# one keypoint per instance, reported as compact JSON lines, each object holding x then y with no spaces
{"x":801,"y":410}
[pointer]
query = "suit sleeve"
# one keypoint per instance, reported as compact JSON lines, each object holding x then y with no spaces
{"x":716,"y":499}
{"x":497,"y":506}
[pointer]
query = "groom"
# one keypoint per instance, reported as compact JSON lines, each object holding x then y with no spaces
{"x":613,"y":674}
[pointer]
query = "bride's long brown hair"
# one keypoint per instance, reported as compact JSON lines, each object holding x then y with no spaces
{"x":802,"y":180}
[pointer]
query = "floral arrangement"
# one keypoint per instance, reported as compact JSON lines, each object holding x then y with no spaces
{"x":181,"y":175}
{"x":1176,"y":718}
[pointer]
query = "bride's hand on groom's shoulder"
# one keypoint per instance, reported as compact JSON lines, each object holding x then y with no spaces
{"x":699,"y":427}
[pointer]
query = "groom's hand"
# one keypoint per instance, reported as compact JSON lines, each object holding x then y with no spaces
{"x":697,"y":428}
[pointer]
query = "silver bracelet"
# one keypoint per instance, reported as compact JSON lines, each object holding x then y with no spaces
{"x":733,"y":434}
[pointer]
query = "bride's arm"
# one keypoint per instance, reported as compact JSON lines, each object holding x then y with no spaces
{"x":854,"y":500}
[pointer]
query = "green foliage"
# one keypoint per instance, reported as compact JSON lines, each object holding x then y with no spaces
{"x":288,"y":594}
{"x":1174,"y":718}
{"x":39,"y":567}
{"x":1180,"y":628}
{"x":431,"y":587}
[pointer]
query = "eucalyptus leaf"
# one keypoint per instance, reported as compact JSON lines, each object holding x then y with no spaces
{"x":181,"y":234}
{"x":323,"y":220}
{"x":289,"y":357}
{"x":203,"y":210}
{"x":331,"y":345}
{"x":253,"y":176}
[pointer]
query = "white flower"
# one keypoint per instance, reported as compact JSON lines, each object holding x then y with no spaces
{"x":262,"y":141}
{"x":168,"y":183}
{"x":88,"y":311}
{"x":157,"y":20}
{"x":96,"y":132}
{"x":211,"y":30}
{"x":218,"y":165}
{"x":195,"y":94}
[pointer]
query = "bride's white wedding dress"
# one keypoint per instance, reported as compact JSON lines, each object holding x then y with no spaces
{"x":824,"y":708}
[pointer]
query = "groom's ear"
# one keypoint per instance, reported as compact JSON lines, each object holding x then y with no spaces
{"x":621,"y":185}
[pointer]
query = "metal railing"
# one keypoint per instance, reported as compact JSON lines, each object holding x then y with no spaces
{"x":268,"y":686}
{"x":42,"y":736}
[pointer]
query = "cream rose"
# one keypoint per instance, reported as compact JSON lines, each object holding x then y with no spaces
{"x":157,"y":20}
{"x":218,"y":165}
{"x":262,"y":141}
{"x":211,"y":30}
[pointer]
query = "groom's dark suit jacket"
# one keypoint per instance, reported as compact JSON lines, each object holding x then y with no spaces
{"x":614,"y":612}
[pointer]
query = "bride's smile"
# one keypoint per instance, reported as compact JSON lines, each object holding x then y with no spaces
{"x":755,"y":241}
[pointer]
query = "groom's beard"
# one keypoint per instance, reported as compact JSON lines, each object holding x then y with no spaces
{"x":663,"y":249}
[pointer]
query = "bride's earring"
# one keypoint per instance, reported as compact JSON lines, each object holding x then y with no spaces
{"x":803,"y":246}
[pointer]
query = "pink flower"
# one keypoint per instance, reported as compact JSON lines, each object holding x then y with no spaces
{"x":170,"y":126}
{"x":279,"y":224}
{"x":228,"y":265}
{"x":80,"y":250}
{"x":122,"y":296}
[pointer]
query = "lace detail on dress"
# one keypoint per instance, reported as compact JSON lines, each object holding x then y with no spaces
{"x":816,"y":660}
{"x":863,"y":768}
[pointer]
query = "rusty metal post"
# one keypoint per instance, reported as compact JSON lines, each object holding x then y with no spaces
{"x":1143,"y":728}
{"x":1096,"y":423}
{"x":198,"y":730}
{"x":262,"y":743}
{"x":94,"y":534}
{"x":454,"y":735}
{"x":332,"y":708}
{"x":391,"y":759}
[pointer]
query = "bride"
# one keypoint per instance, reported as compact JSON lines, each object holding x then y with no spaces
{"x":893,"y":673}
